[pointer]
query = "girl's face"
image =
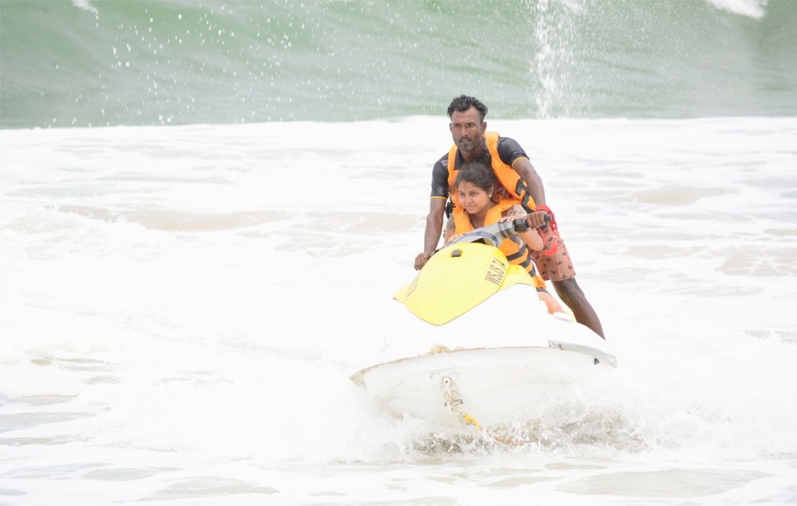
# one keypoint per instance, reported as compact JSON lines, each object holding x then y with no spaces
{"x":472,"y":198}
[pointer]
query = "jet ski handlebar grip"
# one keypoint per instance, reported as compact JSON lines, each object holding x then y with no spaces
{"x":520,"y":225}
{"x":510,"y":228}
{"x":514,"y":227}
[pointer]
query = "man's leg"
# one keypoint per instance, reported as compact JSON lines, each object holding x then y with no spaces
{"x":571,"y":294}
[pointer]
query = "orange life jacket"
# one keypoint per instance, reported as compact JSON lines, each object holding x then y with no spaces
{"x":507,"y":176}
{"x":518,"y":255}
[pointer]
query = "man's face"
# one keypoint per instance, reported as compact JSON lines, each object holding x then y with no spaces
{"x":467,"y":130}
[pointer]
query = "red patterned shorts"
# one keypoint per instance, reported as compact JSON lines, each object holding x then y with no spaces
{"x":553,"y":265}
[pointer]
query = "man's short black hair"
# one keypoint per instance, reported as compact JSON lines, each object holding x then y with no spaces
{"x":463,"y":102}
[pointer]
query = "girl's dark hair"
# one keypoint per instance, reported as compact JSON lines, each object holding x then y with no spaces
{"x":477,"y":172}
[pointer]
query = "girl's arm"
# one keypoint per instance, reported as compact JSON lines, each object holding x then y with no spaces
{"x":531,"y":237}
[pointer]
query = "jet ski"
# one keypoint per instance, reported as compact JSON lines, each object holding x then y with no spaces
{"x":468,"y":340}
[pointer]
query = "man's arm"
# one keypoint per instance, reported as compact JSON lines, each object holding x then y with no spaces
{"x":524,"y":168}
{"x":434,"y":226}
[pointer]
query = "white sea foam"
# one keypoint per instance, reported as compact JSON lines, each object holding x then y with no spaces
{"x":84,"y":4}
{"x":751,"y":8}
{"x":183,"y":306}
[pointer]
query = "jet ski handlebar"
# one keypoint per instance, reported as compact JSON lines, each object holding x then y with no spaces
{"x":497,"y":232}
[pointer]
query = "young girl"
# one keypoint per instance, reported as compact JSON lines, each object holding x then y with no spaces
{"x":480,"y":206}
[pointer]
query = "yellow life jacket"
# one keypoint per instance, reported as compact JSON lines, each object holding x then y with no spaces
{"x":507,"y":176}
{"x":518,"y":255}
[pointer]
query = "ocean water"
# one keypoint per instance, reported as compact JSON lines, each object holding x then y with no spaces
{"x":179,"y":328}
{"x":166,"y":62}
{"x":185,"y":289}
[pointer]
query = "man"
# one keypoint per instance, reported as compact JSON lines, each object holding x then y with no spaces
{"x":519,"y":180}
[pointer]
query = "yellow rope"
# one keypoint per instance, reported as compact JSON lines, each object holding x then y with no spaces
{"x":472,"y":421}
{"x":454,"y":403}
{"x":469,"y":420}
